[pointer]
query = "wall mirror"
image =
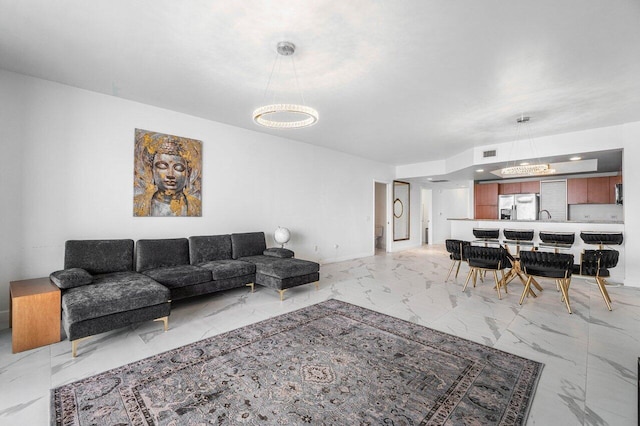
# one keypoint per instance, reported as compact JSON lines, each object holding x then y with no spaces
{"x":400,"y":210}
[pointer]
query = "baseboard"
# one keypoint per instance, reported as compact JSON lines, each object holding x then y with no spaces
{"x":4,"y":319}
{"x":345,"y":258}
{"x":403,"y":248}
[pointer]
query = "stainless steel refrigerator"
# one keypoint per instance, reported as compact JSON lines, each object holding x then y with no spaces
{"x":519,"y":207}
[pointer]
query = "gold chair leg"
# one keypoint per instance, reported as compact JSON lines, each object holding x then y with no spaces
{"x":282,"y":294}
{"x":317,"y":284}
{"x":527,"y":285}
{"x":165,"y":320}
{"x":252,"y":285}
{"x":458,"y":269}
{"x":495,"y":277}
{"x":453,"y":262}
{"x":565,"y":293}
{"x":471,"y":270}
{"x":604,"y":292}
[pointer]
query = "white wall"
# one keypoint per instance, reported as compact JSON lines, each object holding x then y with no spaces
{"x":447,"y":203}
{"x":381,"y":211}
{"x":631,"y":177}
{"x":67,"y":170}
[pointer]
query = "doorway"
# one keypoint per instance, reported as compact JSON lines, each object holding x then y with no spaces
{"x":380,"y":219}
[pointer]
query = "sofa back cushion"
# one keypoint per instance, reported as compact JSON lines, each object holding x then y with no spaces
{"x":99,"y":256}
{"x":152,"y":254}
{"x":248,"y":244}
{"x":208,"y":248}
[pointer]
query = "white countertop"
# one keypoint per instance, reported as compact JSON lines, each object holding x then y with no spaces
{"x":618,"y":222}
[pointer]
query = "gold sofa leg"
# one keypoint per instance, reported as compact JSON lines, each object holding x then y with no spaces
{"x":252,"y":285}
{"x":317,"y":284}
{"x":282,"y":294}
{"x":74,"y":343}
{"x":74,"y":346}
{"x":165,"y":320}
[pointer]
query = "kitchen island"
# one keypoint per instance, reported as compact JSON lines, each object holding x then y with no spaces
{"x":462,"y":229}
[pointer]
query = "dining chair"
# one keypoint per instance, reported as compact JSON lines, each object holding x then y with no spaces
{"x":557,"y":266}
{"x":455,"y":249}
{"x":482,"y":259}
{"x":596,"y":263}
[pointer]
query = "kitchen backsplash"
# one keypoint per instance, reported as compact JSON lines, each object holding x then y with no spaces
{"x":604,"y":212}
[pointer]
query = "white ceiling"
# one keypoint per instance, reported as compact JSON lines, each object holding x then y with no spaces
{"x":394,"y":81}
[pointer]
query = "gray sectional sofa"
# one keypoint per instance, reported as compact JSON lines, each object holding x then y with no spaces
{"x":107,"y":285}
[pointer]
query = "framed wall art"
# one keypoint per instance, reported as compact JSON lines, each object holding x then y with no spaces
{"x":167,"y":177}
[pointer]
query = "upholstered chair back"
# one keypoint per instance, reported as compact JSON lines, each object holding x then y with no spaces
{"x":486,"y":257}
{"x":456,"y":248}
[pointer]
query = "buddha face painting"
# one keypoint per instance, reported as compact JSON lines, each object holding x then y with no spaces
{"x":167,"y":175}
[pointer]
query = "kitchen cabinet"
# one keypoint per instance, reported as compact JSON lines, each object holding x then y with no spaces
{"x":531,"y":187}
{"x":509,"y":188}
{"x":595,"y":190}
{"x":577,"y":191}
{"x":486,"y":201}
{"x":486,"y":212}
{"x":598,"y":190}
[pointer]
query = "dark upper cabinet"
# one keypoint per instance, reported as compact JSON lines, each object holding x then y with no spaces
{"x":531,"y":187}
{"x":595,"y":190}
{"x":486,"y":201}
{"x":576,"y":191}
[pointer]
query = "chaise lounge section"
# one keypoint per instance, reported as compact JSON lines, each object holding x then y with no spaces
{"x":101,"y":291}
{"x":275,"y":268}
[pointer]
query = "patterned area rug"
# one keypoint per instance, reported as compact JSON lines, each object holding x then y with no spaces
{"x":330,"y":363}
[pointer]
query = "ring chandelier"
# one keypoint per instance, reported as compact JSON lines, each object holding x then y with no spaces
{"x":267,"y":115}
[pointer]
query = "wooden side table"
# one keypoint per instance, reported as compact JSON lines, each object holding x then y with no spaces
{"x":34,"y":313}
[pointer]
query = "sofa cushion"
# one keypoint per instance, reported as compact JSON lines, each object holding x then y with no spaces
{"x":282,"y":268}
{"x":152,"y":254}
{"x":225,"y":269}
{"x":278,"y":252}
{"x":248,"y":244}
{"x":69,"y":278}
{"x":179,"y":276}
{"x":207,"y":248}
{"x":112,"y":293}
{"x":99,"y":256}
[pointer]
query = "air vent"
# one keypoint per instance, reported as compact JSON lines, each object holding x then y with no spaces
{"x":487,"y":154}
{"x":439,"y":181}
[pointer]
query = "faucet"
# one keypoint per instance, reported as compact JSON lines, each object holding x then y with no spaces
{"x":548,"y":214}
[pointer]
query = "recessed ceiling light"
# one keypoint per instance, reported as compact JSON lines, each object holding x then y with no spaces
{"x":429,"y":178}
{"x":524,"y":164}
{"x":575,"y":158}
{"x":480,"y":170}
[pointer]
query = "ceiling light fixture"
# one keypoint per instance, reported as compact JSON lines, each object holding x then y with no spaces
{"x":526,"y":168}
{"x":285,"y":115}
{"x":575,"y":158}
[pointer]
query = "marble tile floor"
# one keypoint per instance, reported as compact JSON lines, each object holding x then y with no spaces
{"x":590,"y":357}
